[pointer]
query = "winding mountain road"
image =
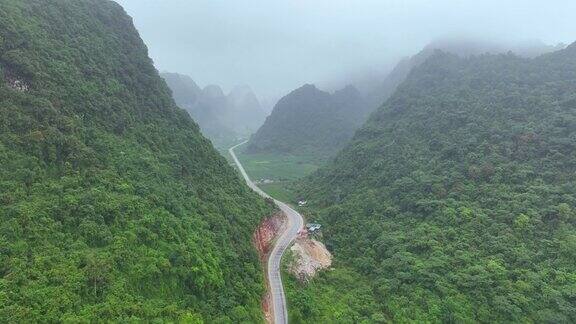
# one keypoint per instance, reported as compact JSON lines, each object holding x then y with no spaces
{"x":295,"y":223}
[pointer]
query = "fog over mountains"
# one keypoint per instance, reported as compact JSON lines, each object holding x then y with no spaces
{"x":311,"y":121}
{"x":326,"y":161}
{"x":277,"y":46}
{"x":220,"y":116}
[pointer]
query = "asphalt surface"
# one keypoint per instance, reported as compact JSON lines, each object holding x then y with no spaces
{"x":295,"y":223}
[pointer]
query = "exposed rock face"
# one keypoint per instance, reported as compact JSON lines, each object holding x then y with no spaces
{"x":310,"y":257}
{"x":263,"y":240}
{"x":266,"y":233}
{"x":18,"y":85}
{"x":15,"y":82}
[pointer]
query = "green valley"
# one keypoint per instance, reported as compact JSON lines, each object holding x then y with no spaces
{"x":303,"y":162}
{"x":276,"y":173}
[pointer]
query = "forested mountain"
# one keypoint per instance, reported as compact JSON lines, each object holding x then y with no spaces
{"x":456,"y":201}
{"x":220,"y":116}
{"x":312,"y":121}
{"x":461,"y":47}
{"x":113,"y":207}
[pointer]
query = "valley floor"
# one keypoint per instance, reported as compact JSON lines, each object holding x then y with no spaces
{"x":276,"y":173}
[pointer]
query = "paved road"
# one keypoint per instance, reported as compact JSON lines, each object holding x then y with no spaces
{"x":295,"y":223}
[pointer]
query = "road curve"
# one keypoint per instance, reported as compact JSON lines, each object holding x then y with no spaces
{"x":295,"y":223}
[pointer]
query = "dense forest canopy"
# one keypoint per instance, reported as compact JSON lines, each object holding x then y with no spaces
{"x":311,"y":121}
{"x":456,"y":201}
{"x":112,"y":204}
{"x":380,"y":91}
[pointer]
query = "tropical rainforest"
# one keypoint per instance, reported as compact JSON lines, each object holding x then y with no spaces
{"x":113,"y":206}
{"x":456,"y":201}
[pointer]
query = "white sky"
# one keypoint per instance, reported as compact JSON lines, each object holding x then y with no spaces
{"x":278,"y":45}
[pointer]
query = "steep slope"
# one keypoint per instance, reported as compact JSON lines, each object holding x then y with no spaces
{"x":456,"y":201}
{"x":113,"y":207}
{"x":310,"y":121}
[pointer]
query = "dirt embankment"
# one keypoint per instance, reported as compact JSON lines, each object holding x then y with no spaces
{"x":310,"y":256}
{"x":263,"y":239}
{"x":266,"y":232}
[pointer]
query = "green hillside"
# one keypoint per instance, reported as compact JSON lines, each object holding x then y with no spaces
{"x":456,"y":202}
{"x":112,"y":205}
{"x":309,"y":121}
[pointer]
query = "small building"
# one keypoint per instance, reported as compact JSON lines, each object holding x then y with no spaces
{"x":302,"y":203}
{"x":264,"y":181}
{"x":313,"y":227}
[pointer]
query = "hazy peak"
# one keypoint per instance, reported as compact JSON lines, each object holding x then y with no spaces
{"x":213,"y":91}
{"x":348,"y":90}
{"x":307,"y":88}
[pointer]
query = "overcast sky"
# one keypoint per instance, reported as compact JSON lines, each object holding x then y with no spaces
{"x":277,"y":45}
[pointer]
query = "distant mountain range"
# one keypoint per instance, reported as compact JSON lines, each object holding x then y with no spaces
{"x":311,"y":121}
{"x":381,"y":91}
{"x":220,"y":116}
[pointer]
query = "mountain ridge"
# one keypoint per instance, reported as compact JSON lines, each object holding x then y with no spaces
{"x":440,"y":202}
{"x":310,"y":121}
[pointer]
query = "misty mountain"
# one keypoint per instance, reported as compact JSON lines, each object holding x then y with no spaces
{"x":113,"y":206}
{"x":246,"y":114}
{"x":311,"y":121}
{"x":184,"y":90}
{"x":220,"y":116}
{"x":382,"y":90}
{"x":456,"y":201}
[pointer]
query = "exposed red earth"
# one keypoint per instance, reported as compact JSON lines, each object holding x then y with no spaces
{"x":263,"y":240}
